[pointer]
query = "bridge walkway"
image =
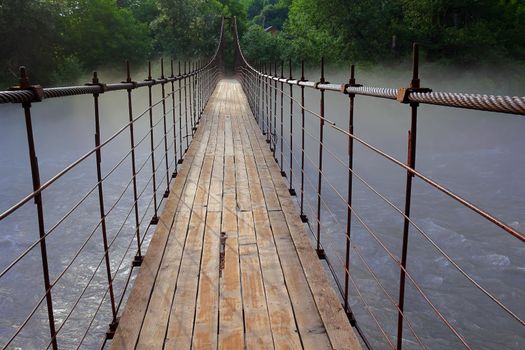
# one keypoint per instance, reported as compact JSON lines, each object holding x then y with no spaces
{"x":230,"y":265}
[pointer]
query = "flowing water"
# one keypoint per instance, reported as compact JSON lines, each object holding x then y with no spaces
{"x":478,"y":155}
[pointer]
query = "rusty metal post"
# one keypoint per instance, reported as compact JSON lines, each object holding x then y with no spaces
{"x":320,"y":252}
{"x":263,"y":97}
{"x":98,"y":154}
{"x":270,"y":97}
{"x":303,"y":216}
{"x":174,"y":174}
{"x":196,"y":96}
{"x":412,"y":133}
{"x":349,"y":193}
{"x":194,"y":90}
{"x":137,"y":261}
{"x":291,"y":190}
{"x":258,"y":97}
{"x":199,"y":100}
{"x":281,"y":164}
{"x":186,"y":109}
{"x":35,"y":174}
{"x":180,"y":116}
{"x":274,"y":133}
{"x":166,"y":160}
{"x":202,"y":77}
{"x":191,"y":95}
{"x":155,"y":218}
{"x":267,"y":105}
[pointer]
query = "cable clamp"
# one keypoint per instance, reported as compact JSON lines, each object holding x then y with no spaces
{"x":103,"y":87}
{"x":404,"y":93}
{"x":133,"y":84}
{"x":37,"y":90}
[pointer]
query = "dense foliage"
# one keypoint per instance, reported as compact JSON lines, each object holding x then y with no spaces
{"x":456,"y":31}
{"x":60,"y":39}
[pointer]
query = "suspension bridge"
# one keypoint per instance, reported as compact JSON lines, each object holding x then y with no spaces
{"x":218,"y":248}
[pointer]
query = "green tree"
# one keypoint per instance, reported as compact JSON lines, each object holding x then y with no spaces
{"x":259,"y":46}
{"x":98,"y":32}
{"x":30,"y":36}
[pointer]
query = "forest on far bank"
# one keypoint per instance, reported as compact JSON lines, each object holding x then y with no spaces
{"x":60,"y":40}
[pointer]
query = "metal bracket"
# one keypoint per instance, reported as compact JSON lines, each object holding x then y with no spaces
{"x":37,"y":90}
{"x":351,"y":317}
{"x":112,"y":329}
{"x":292,"y":192}
{"x":133,"y":83}
{"x":154,"y":220}
{"x":137,"y":260}
{"x":304,"y":218}
{"x":346,"y":86}
{"x":103,"y":87}
{"x":321,"y":254}
{"x":316,"y":86}
{"x":404,"y":93}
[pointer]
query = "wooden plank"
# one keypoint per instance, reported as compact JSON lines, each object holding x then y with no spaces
{"x":132,"y":318}
{"x":206,"y":317}
{"x":215,"y":198}
{"x":282,"y":321}
{"x":310,"y":324}
{"x":201,"y":197}
{"x":258,"y":333}
{"x":156,"y":320}
{"x":231,"y":326}
{"x":180,"y":328}
{"x":154,"y":325}
{"x":334,"y":318}
{"x":256,"y":193}
{"x":229,"y":211}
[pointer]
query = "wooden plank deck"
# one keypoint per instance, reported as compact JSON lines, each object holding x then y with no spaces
{"x":230,"y":265}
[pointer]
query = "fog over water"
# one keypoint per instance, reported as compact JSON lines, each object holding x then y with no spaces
{"x":477,"y":155}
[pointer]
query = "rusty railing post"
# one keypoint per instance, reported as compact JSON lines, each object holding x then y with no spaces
{"x":35,"y":174}
{"x":180,"y":116}
{"x":270,"y":97}
{"x":193,"y":100}
{"x":274,"y":133}
{"x":281,"y":164}
{"x":190,"y":97}
{"x":303,"y":216}
{"x":172,"y":76}
{"x":267,"y":105}
{"x":155,"y":218}
{"x":137,"y":261}
{"x":98,"y":154}
{"x":412,"y":133}
{"x":351,"y":96}
{"x":320,"y":252}
{"x":291,"y":190}
{"x":186,"y":109}
{"x":166,"y":160}
{"x":258,"y":96}
{"x":202,"y":77}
